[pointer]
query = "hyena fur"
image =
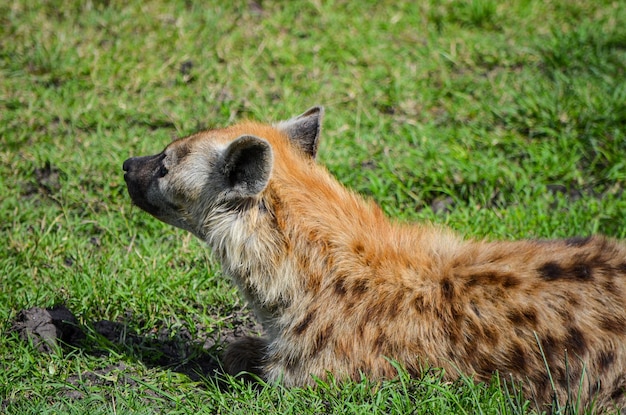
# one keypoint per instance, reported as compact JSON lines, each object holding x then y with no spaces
{"x":341,"y":289}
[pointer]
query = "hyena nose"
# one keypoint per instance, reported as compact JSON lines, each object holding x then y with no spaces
{"x":143,"y":162}
{"x":127,"y":164}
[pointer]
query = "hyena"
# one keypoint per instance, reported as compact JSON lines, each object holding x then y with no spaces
{"x":341,"y":289}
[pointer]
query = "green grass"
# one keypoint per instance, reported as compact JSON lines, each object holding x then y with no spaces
{"x":498,"y":119}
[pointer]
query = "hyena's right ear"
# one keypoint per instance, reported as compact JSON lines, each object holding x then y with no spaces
{"x":304,"y":130}
{"x":247,"y":166}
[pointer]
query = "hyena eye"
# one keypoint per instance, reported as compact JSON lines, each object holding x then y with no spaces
{"x":162,"y":171}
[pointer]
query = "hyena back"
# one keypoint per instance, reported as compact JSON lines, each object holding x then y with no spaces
{"x":340,"y":289}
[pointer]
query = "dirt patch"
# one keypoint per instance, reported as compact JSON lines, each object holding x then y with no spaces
{"x":47,"y":327}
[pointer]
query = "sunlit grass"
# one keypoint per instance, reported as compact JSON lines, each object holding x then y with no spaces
{"x":498,"y":119}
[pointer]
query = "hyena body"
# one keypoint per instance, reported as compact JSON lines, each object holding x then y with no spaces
{"x":340,"y":289}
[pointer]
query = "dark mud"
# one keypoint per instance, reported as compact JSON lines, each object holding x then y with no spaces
{"x":48,"y":328}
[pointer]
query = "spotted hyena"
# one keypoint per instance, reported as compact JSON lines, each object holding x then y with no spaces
{"x":341,"y":289}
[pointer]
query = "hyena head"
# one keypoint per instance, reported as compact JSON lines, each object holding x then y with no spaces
{"x":223,"y":169}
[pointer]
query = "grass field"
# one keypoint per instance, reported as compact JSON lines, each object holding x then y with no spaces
{"x":498,"y":119}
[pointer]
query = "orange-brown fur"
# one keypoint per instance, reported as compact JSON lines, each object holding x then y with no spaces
{"x":341,"y":289}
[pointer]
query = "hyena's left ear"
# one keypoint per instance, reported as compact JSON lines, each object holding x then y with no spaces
{"x":247,"y":166}
{"x":304,"y":130}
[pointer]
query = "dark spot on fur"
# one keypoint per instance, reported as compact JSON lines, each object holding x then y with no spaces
{"x":394,"y":305}
{"x":617,"y":393}
{"x":447,"y":289}
{"x":550,"y":271}
{"x":322,"y":337}
{"x":484,"y":367}
{"x":516,"y":317}
{"x":386,"y":306}
{"x":606,"y":360}
{"x":314,"y":282}
{"x":482,"y":279}
{"x":379,"y":343}
{"x":340,"y":287}
{"x":358,"y":248}
{"x":581,"y":271}
{"x":492,"y":278}
{"x":471,"y":281}
{"x":549,"y":345}
{"x":622,"y":268}
{"x":491,"y":335}
{"x":360,"y":328}
{"x":600,"y":262}
{"x":613,"y":324}
{"x":360,"y":287}
{"x":484,"y":373}
{"x":452,"y":330}
{"x":517,"y":359}
{"x":619,"y":387}
{"x":349,"y":305}
{"x":509,"y":281}
{"x":564,"y":313}
{"x":542,"y":380}
{"x":456,"y":313}
{"x":531,"y":316}
{"x":575,"y":341}
{"x":523,"y":317}
{"x":392,"y":348}
{"x":578,"y":241}
{"x":304,"y":324}
{"x":418,"y":303}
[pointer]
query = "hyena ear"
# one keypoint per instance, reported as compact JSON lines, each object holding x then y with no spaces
{"x":304,"y":130}
{"x":247,"y":166}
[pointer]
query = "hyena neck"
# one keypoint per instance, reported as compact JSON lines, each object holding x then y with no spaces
{"x":249,"y":253}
